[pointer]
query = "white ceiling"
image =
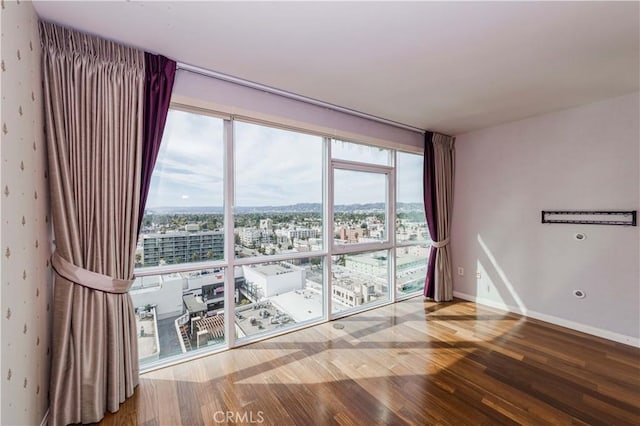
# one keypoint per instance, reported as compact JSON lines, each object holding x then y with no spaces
{"x":450,"y":67}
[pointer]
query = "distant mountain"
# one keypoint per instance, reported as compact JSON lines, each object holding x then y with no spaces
{"x":294,"y":208}
{"x":183,"y":210}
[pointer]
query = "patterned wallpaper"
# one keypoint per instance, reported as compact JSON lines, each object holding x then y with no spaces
{"x":25,"y":231}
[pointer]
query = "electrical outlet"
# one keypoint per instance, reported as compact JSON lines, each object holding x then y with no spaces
{"x":478,"y":276}
{"x":460,"y":271}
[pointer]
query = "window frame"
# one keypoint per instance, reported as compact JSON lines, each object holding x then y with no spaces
{"x":232,"y":142}
{"x":389,"y":173}
{"x":329,"y":249}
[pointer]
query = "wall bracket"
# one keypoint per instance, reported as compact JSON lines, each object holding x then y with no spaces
{"x":591,"y":217}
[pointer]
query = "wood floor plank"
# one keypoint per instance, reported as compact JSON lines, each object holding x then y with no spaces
{"x":411,"y":363}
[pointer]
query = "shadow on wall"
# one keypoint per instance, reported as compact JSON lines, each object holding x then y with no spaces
{"x":493,"y":283}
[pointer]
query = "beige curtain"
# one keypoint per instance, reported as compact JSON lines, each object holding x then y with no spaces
{"x":94,"y":97}
{"x":444,"y":164}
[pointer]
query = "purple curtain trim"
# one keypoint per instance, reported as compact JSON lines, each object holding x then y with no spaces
{"x":430,"y":208}
{"x":160,"y":75}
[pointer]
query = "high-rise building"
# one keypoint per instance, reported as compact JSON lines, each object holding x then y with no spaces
{"x":181,"y":246}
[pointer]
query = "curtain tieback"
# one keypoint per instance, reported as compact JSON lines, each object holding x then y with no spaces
{"x":440,"y":244}
{"x":86,"y":278}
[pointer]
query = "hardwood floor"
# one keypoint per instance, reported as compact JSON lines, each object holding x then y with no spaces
{"x":414,"y":362}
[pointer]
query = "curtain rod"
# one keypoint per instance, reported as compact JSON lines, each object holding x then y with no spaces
{"x":289,"y":95}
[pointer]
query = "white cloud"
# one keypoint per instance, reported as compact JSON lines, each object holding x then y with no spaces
{"x":276,"y":167}
{"x":409,"y":175}
{"x":272,"y":167}
{"x":359,"y":187}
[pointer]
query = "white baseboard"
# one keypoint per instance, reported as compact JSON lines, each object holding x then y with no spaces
{"x":605,"y":334}
{"x":45,"y":419}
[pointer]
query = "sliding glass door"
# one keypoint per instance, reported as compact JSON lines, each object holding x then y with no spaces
{"x":362,"y":231}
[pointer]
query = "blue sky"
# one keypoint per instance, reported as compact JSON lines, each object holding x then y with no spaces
{"x":273,"y":167}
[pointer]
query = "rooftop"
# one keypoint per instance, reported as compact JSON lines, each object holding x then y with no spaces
{"x":194,"y":303}
{"x":261,"y":317}
{"x":302,"y":305}
{"x":272,"y":269}
{"x":147,"y":335}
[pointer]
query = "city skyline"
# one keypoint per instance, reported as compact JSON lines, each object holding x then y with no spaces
{"x":301,"y":208}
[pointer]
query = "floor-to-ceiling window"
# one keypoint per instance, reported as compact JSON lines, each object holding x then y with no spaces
{"x":251,"y":230}
{"x":278,"y":228}
{"x":179,"y":290}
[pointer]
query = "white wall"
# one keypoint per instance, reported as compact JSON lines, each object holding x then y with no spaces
{"x":273,"y":285}
{"x":283,"y":283}
{"x":584,"y":158}
{"x":234,"y":99}
{"x":196,"y":283}
{"x":25,"y":230}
